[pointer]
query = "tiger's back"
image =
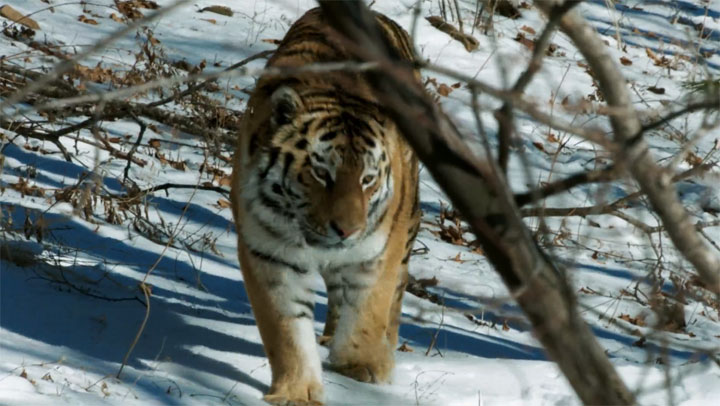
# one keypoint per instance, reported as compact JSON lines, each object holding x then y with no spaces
{"x":323,"y":182}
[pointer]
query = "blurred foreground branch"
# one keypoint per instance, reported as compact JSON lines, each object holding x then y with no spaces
{"x":480,"y":192}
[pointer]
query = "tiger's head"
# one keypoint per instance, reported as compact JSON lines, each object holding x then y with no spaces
{"x":325,"y":171}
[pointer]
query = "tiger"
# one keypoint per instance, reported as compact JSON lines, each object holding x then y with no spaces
{"x":323,"y":183}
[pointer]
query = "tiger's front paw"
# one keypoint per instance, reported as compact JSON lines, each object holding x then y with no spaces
{"x":290,"y":393}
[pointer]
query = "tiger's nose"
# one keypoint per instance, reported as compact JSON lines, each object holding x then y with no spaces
{"x":343,"y":233}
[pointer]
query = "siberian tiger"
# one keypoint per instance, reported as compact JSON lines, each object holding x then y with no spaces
{"x":323,"y":182}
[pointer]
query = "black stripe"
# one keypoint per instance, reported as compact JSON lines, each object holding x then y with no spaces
{"x":273,"y":205}
{"x":369,"y":141}
{"x":378,"y":222}
{"x":274,"y":153}
{"x":407,"y":258}
{"x":373,"y":206}
{"x":302,"y":143}
{"x":329,"y":136}
{"x":289,"y":158}
{"x":306,"y":35}
{"x":267,"y":227}
{"x":313,"y":54}
{"x":309,"y":306}
{"x":278,"y":261}
{"x":319,"y":158}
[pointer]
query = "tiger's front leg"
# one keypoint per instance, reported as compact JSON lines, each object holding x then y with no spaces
{"x":362,"y":296}
{"x":282,"y":302}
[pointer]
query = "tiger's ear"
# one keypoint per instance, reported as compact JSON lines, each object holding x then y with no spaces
{"x":285,"y":105}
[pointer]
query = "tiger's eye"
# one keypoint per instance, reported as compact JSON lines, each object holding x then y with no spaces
{"x":368,"y":179}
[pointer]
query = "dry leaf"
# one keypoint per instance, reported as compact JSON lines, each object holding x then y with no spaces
{"x":222,"y":10}
{"x":528,"y":30}
{"x":210,"y":20}
{"x":521,"y":38}
{"x":405,"y":347}
{"x":86,"y":20}
{"x":625,"y":61}
{"x":444,"y":90}
{"x":457,"y":258}
{"x":14,"y":15}
{"x":638,"y":321}
{"x":223,"y":203}
{"x":656,"y":90}
{"x":693,"y":159}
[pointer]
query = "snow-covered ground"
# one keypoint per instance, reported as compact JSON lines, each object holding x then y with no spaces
{"x":70,"y":306}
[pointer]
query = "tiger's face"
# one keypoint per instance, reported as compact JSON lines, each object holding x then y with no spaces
{"x":326,"y":171}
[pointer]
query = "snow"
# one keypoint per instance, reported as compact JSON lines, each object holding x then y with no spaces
{"x":70,"y":314}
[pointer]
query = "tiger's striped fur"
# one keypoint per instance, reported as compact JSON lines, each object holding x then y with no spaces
{"x":323,"y":182}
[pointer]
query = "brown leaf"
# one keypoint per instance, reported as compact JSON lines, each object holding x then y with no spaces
{"x":521,"y":38}
{"x":651,"y":55}
{"x":86,"y":20}
{"x":222,"y":10}
{"x":405,"y":347}
{"x":638,"y":321}
{"x":693,"y":159}
{"x":444,"y":90}
{"x":116,"y":18}
{"x":225,"y":204}
{"x":528,"y":30}
{"x":505,"y":326}
{"x":625,"y":61}
{"x":210,"y":20}
{"x":656,"y":90}
{"x":14,"y":15}
{"x":539,"y":146}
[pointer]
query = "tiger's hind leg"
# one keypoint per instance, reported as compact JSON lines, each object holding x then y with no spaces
{"x":282,"y":302}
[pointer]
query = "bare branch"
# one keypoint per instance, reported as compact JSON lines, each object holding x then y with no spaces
{"x":633,"y":151}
